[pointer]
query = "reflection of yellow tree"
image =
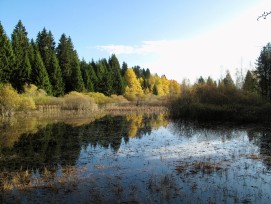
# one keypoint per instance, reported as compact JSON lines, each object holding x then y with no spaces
{"x":135,"y":122}
{"x":159,"y":120}
{"x":13,"y":128}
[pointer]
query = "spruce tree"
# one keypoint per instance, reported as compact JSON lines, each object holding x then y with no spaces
{"x":86,"y":72}
{"x":77,"y":79}
{"x":46,"y":44}
{"x":115,"y":72}
{"x":124,"y":68}
{"x":39,"y":75}
{"x":64,"y":58}
{"x":227,"y":81}
{"x":250,"y":84}
{"x":92,"y":75}
{"x":22,"y":67}
{"x":100,"y":73}
{"x":263,"y":71}
{"x":55,"y":76}
{"x":70,"y":65}
{"x":6,"y":57}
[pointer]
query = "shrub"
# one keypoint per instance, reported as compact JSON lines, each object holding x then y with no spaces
{"x":99,"y":98}
{"x":27,"y":103}
{"x":9,"y":100}
{"x":119,"y":99}
{"x":78,"y":101}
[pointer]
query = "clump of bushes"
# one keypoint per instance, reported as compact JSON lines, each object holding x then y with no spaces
{"x":11,"y":101}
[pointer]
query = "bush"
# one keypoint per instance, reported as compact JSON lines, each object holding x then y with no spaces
{"x":119,"y":99}
{"x":99,"y":98}
{"x":78,"y":101}
{"x":27,"y":103}
{"x":9,"y":100}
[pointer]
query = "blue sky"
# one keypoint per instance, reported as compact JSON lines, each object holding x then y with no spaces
{"x":182,"y":39}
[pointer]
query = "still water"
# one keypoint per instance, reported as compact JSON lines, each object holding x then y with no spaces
{"x":132,"y":158}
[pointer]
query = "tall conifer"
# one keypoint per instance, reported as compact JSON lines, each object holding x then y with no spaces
{"x":20,"y":45}
{"x":6,"y":56}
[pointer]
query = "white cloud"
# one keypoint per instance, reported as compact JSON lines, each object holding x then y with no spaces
{"x":116,"y":49}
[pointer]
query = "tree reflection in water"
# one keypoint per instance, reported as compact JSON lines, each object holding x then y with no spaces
{"x":38,"y":145}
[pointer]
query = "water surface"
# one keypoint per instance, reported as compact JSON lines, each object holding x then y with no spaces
{"x":133,"y":158}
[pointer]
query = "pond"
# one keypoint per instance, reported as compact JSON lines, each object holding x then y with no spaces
{"x":132,"y":158}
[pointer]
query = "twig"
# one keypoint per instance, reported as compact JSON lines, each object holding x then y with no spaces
{"x":264,"y":15}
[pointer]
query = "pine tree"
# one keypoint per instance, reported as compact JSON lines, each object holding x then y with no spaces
{"x":39,"y":75}
{"x":22,"y":67}
{"x":115,"y":72}
{"x":6,"y":57}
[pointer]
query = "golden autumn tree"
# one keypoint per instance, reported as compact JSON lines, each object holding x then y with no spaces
{"x":174,"y":88}
{"x":133,"y":85}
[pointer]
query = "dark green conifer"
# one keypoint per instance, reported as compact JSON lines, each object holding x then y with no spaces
{"x":6,"y":57}
{"x":39,"y":75}
{"x":55,"y":77}
{"x":22,"y":67}
{"x":115,"y":74}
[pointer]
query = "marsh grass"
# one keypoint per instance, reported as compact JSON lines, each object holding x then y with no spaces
{"x":198,"y":167}
{"x":24,"y":180}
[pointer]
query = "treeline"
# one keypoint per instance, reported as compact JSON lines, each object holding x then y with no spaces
{"x":58,"y":70}
{"x":246,"y":100}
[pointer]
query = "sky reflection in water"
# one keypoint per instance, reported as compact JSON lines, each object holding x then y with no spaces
{"x":140,"y":158}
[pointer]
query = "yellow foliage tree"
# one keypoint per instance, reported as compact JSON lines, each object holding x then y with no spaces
{"x":133,"y":84}
{"x":174,"y":88}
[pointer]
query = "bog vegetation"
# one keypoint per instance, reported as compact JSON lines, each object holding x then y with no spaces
{"x":208,"y":100}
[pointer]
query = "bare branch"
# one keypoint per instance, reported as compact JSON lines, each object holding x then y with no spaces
{"x":264,"y":15}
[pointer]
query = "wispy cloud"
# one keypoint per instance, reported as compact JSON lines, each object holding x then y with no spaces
{"x":145,"y":47}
